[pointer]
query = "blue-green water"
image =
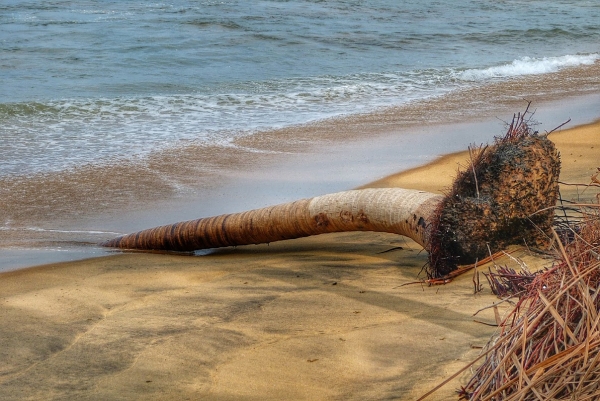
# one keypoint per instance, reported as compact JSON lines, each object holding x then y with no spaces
{"x":88,"y":81}
{"x":117,"y":104}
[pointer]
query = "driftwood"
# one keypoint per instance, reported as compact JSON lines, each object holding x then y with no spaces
{"x":492,"y":204}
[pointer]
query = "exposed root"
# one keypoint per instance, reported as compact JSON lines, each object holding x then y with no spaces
{"x":492,"y":204}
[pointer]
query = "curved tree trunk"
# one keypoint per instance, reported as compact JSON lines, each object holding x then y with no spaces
{"x":393,"y":210}
{"x":495,"y":203}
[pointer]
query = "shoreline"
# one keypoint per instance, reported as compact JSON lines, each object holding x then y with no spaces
{"x":262,"y":179}
{"x":326,"y":317}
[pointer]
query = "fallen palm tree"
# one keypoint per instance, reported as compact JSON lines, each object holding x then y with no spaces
{"x":491,"y":205}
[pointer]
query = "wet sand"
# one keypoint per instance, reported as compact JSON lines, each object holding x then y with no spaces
{"x":322,"y":318}
{"x":62,"y":216}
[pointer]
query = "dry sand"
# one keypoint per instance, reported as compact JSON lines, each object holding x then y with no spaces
{"x":316,"y":318}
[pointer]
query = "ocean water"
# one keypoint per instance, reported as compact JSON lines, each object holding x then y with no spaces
{"x":95,"y":95}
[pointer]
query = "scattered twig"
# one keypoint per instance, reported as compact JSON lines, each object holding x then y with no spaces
{"x":396,"y":248}
{"x":474,"y":173}
{"x":461,"y":269}
{"x":485,"y":323}
{"x":495,"y":304}
{"x":476,"y":283}
{"x":563,"y":124}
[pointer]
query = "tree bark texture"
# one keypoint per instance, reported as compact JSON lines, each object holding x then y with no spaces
{"x":392,"y":210}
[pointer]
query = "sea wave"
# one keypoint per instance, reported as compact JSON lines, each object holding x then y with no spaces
{"x":46,"y":230}
{"x":54,"y":135}
{"x":529,"y":66}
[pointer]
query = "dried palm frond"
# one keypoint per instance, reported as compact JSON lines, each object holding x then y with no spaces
{"x":548,"y":347}
{"x":505,"y":281}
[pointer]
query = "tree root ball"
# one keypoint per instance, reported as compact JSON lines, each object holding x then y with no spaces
{"x":505,"y":197}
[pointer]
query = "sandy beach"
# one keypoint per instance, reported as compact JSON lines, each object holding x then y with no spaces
{"x":322,"y":318}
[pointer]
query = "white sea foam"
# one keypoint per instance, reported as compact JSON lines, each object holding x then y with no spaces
{"x":49,"y":230}
{"x":73,"y":132}
{"x":529,"y":66}
{"x":61,"y":134}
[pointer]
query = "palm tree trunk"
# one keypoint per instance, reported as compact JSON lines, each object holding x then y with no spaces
{"x":505,"y":198}
{"x":393,"y":210}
